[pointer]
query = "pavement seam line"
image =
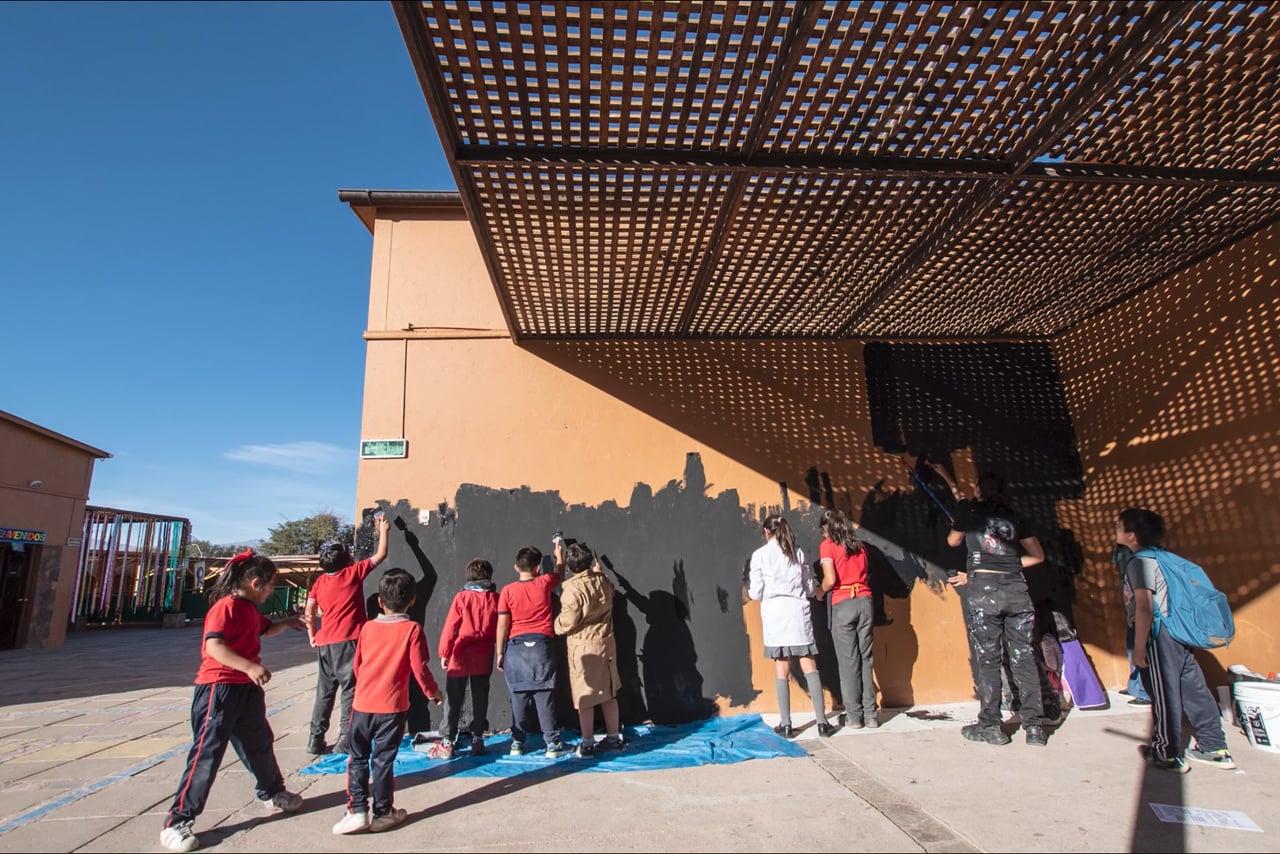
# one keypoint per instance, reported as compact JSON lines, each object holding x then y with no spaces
{"x":945,"y":838}
{"x":35,"y":812}
{"x":80,"y":736}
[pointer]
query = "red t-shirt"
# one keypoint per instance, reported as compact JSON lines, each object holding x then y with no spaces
{"x":340,"y":598}
{"x":850,"y":570}
{"x":390,"y":648}
{"x":529,"y":604}
{"x":240,"y":625}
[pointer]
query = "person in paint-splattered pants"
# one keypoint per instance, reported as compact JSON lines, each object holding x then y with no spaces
{"x":1001,"y":616}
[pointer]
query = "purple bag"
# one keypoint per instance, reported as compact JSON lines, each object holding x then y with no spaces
{"x":1083,"y":683}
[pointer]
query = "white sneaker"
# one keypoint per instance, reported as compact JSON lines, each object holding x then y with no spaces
{"x":179,"y":838}
{"x":352,"y":822}
{"x":388,"y":821}
{"x":282,"y":801}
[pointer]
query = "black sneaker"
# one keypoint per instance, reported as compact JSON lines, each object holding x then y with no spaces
{"x":1174,"y":765}
{"x":611,"y":742}
{"x":587,"y":749}
{"x":985,"y":734}
{"x":826,"y":730}
{"x":1036,"y":736}
{"x":785,"y":730}
{"x":342,"y":747}
{"x":319,"y":748}
{"x":517,"y":748}
{"x":477,"y":745}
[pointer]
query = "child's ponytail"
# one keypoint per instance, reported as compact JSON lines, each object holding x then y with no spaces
{"x":780,"y":528}
{"x":238,"y":571}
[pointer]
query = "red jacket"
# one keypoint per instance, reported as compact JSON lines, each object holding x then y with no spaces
{"x":390,"y":651}
{"x":470,"y":631}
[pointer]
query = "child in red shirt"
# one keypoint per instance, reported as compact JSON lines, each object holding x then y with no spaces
{"x":466,"y":654}
{"x":527,"y":659}
{"x":390,"y":648}
{"x":338,"y":596}
{"x":844,"y":575}
{"x":229,"y":705}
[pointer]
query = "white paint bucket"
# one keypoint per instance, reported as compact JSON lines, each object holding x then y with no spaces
{"x":1259,"y":705}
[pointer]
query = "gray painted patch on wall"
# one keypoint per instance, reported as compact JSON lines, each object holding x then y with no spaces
{"x":677,"y":556}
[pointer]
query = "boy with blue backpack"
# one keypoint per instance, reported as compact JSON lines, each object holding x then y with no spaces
{"x":1173,"y":608}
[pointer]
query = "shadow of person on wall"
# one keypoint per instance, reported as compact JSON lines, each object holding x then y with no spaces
{"x":426,"y":577}
{"x":895,"y":642}
{"x":631,"y":706}
{"x":828,"y":664}
{"x":672,"y":681}
{"x":904,"y":533}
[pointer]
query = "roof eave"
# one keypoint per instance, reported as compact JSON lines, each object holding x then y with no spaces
{"x":365,"y":203}
{"x":58,"y":437}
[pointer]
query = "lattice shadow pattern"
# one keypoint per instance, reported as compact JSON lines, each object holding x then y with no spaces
{"x":836,"y":169}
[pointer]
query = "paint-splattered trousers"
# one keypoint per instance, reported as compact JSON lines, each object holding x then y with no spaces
{"x":1175,"y":682}
{"x":223,"y":714}
{"x":335,"y":675}
{"x":375,"y":740}
{"x":1002,"y":619}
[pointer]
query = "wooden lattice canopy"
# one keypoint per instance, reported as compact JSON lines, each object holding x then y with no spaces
{"x":836,"y":169}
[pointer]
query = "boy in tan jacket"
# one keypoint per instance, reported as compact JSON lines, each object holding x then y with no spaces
{"x":586,"y":621}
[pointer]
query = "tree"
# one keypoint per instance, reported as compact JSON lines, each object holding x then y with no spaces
{"x":304,"y":536}
{"x":203,"y":548}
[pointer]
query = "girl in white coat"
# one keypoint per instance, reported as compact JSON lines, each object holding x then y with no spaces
{"x":783,"y":583}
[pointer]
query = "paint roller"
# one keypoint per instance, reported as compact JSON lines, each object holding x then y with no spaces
{"x":898,"y":448}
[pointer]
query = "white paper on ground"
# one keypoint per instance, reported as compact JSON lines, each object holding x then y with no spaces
{"x":1229,"y":819}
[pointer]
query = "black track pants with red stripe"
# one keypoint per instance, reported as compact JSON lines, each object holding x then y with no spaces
{"x":223,"y":714}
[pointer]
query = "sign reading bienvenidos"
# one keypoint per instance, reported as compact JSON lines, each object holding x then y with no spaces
{"x":17,"y":535}
{"x":383,"y":449}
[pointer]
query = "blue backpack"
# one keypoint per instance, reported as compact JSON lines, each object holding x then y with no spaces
{"x":1199,"y":614}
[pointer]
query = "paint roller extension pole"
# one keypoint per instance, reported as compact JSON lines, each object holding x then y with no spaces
{"x":916,"y":477}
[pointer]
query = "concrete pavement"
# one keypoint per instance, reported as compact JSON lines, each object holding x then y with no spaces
{"x":93,"y":738}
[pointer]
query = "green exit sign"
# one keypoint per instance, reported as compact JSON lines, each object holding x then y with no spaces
{"x":383,"y":449}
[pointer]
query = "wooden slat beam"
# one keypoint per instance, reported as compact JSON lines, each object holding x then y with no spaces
{"x":1159,"y":20}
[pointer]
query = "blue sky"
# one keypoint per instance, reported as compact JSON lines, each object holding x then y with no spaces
{"x":181,"y":286}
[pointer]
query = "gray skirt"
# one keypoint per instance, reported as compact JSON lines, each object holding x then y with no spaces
{"x":777,"y":652}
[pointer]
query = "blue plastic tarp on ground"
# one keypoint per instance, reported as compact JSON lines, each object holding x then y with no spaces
{"x":719,"y":741}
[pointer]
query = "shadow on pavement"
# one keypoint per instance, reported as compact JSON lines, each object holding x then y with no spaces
{"x":1157,"y":787}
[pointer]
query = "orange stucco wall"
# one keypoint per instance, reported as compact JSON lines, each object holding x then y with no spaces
{"x":1175,"y":396}
{"x":591,"y":419}
{"x":57,"y":508}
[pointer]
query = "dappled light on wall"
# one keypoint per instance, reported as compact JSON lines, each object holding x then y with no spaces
{"x":1176,"y":396}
